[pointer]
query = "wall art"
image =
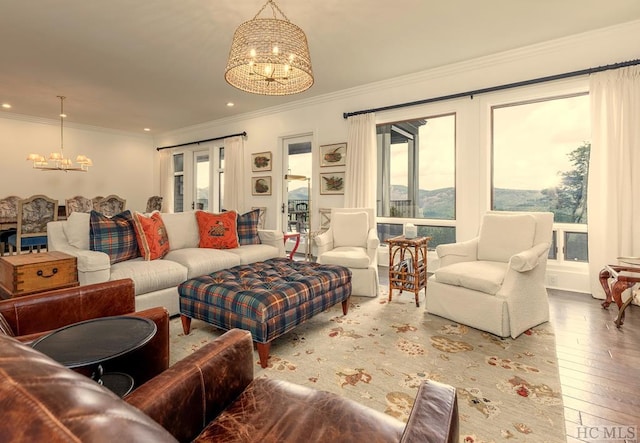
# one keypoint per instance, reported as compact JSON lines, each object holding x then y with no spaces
{"x":260,"y":185}
{"x":333,"y":155}
{"x":332,"y":183}
{"x":261,"y":161}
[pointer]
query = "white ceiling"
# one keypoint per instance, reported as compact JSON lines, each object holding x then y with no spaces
{"x":131,"y":64}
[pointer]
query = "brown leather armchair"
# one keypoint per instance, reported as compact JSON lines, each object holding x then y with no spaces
{"x":218,"y":400}
{"x":210,"y":396}
{"x":30,"y":317}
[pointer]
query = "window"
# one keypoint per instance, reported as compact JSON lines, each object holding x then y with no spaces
{"x":178,"y":182}
{"x":416,"y":176}
{"x":540,"y":162}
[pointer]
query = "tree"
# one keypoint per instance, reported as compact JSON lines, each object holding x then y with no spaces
{"x":571,"y":198}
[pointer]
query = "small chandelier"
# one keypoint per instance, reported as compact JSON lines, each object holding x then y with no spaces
{"x":269,"y":56}
{"x":58,"y":161}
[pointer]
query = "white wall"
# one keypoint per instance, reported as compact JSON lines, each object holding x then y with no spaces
{"x":322,"y":116}
{"x":123,"y":163}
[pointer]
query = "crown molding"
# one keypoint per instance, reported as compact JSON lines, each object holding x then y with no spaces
{"x":67,"y":124}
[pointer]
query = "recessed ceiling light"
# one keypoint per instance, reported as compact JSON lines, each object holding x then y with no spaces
{"x":147,"y":129}
{"x":6,"y":106}
{"x":230,"y":104}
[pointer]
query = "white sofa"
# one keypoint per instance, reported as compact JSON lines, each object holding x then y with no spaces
{"x":156,"y":281}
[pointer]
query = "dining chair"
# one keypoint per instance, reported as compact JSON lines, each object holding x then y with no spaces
{"x":154,"y":203}
{"x":95,"y":201}
{"x":111,"y":205}
{"x":8,"y":220}
{"x":33,"y":215}
{"x":77,"y":204}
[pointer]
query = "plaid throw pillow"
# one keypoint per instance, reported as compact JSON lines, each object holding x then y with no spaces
{"x":114,"y":236}
{"x":248,"y":228}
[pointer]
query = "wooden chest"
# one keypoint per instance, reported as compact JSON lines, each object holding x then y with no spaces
{"x":25,"y":274}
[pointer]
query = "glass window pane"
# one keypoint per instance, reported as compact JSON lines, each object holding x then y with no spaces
{"x":541,"y":157}
{"x":400,"y":199}
{"x":553,"y":250}
{"x":178,"y":193}
{"x":575,"y":246}
{"x":437,"y":160}
{"x":202,"y":181}
{"x":221,"y":192}
{"x":178,"y":163}
{"x":439,"y":234}
{"x":416,"y":168}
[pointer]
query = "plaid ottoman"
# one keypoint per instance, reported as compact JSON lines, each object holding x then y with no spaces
{"x":266,"y":298}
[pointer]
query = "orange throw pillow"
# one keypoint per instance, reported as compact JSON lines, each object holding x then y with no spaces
{"x":218,"y":231}
{"x":151,"y":234}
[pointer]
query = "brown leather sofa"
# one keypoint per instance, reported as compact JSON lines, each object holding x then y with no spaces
{"x":210,"y":396}
{"x":30,"y":317}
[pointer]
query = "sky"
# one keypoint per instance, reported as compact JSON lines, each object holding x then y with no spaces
{"x":531,"y":142}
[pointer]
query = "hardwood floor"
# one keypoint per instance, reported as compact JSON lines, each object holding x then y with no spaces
{"x":598,"y":363}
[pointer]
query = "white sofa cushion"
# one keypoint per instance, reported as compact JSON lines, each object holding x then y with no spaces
{"x":202,"y":261}
{"x":182,"y":229}
{"x":76,"y":228}
{"x":350,"y":229}
{"x":483,"y":276}
{"x":254,"y":253}
{"x":504,"y":235}
{"x":349,"y":256}
{"x":149,"y":276}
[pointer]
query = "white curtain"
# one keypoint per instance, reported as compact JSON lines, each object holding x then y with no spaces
{"x":361,"y":172}
{"x":166,"y":180}
{"x":234,"y":174}
{"x":614,"y":170}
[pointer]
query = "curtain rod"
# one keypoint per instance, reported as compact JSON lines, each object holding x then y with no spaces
{"x":497,"y":88}
{"x":243,"y":134}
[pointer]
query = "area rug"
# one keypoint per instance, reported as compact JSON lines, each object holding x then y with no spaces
{"x":377,"y":355}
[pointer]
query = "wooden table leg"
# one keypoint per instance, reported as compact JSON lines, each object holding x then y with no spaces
{"x":604,"y":282}
{"x":616,"y":292}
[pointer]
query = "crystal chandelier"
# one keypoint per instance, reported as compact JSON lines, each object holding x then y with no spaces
{"x":57,"y":160}
{"x":269,"y":56}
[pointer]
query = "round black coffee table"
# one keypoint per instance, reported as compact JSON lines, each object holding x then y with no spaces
{"x":92,"y":342}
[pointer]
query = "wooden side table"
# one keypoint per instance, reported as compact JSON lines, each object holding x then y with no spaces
{"x":25,"y":274}
{"x":408,"y":265}
{"x":622,"y":278}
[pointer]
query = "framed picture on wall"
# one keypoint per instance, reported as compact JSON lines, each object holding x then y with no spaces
{"x":261,"y":185}
{"x":261,"y":161}
{"x":333,"y":155}
{"x":332,"y":183}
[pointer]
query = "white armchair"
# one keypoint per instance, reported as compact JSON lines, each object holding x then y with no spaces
{"x":495,"y":282}
{"x":352,"y":241}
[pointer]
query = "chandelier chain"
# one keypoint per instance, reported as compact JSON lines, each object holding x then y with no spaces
{"x":274,"y":7}
{"x":61,"y":123}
